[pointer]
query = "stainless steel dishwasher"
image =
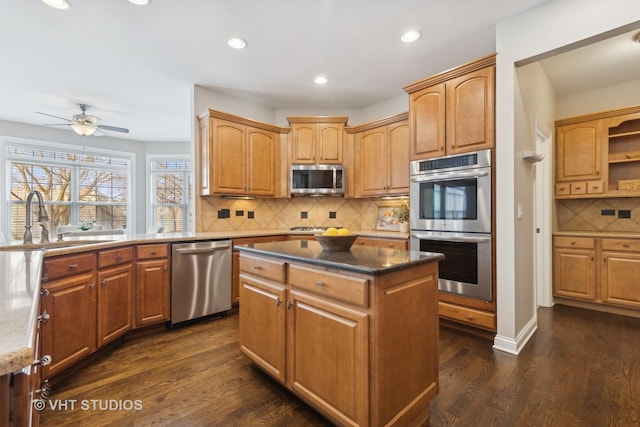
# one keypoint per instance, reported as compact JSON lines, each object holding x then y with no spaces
{"x":200,"y":279}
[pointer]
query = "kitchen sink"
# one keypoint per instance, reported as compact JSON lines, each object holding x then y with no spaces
{"x":50,"y":245}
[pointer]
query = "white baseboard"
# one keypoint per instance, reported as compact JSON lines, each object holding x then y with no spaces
{"x":514,"y":346}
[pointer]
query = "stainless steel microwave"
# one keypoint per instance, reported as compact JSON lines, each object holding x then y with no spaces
{"x":317,"y":179}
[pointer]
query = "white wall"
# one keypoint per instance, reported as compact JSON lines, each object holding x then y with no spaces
{"x":551,"y":26}
{"x":34,"y":133}
{"x":602,"y":99}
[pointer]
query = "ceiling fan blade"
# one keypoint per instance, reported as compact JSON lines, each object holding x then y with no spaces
{"x":57,"y":124}
{"x":113,"y":128}
{"x":55,"y":117}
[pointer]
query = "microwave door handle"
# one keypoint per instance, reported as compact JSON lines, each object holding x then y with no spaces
{"x":335,"y":176}
{"x":452,"y":238}
{"x":449,"y":176}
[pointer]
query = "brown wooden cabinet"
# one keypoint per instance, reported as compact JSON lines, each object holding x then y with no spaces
{"x":381,"y":157}
{"x":317,"y":140}
{"x":574,"y":273}
{"x":335,"y":338}
{"x":453,"y":112}
{"x":621,"y":272}
{"x":598,"y":155}
{"x":115,"y":293}
{"x":380,"y":242}
{"x":152,"y":290}
{"x":238,"y":156}
{"x":69,"y":302}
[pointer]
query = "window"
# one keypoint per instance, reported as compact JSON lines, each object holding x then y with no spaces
{"x":171,"y":193}
{"x":76,"y":186}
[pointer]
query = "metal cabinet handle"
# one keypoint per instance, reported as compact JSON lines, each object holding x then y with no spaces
{"x":469,"y":317}
{"x":44,"y":390}
{"x":278,"y":302}
{"x":104,"y":281}
{"x":166,"y":268}
{"x":92,"y":285}
{"x":257,"y":267}
{"x":44,"y":292}
{"x":73,"y":266}
{"x":45,"y":277}
{"x":44,"y":317}
{"x":319,"y":283}
{"x":289,"y":304}
{"x":43,"y":361}
{"x":153,"y":252}
{"x":118,"y":257}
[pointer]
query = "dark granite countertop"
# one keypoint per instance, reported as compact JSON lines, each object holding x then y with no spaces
{"x":365,"y":260}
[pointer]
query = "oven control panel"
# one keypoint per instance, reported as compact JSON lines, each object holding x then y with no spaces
{"x":461,"y":161}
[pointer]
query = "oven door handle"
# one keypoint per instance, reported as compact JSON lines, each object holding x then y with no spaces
{"x":449,"y":176}
{"x":452,"y":238}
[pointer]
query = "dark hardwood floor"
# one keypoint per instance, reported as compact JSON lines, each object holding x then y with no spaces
{"x":581,"y":368}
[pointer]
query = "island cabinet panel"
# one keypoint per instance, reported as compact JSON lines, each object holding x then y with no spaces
{"x":115,"y":315}
{"x":262,"y":324}
{"x":328,"y":359}
{"x":360,"y":348}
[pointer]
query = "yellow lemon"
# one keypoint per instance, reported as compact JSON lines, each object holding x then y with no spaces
{"x":343,"y":231}
{"x":331,"y":231}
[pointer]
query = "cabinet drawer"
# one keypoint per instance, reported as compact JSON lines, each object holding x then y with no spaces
{"x":115,"y":256}
{"x":595,"y":187}
{"x":353,"y":290}
{"x":578,"y":188}
{"x":381,"y":243}
{"x":574,"y":242}
{"x":482,"y":319}
{"x":274,"y":270}
{"x":631,"y":245}
{"x":152,"y":251}
{"x":563,"y":189}
{"x":62,"y":266}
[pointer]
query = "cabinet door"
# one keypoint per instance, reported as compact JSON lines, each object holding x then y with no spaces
{"x":471,"y":112}
{"x":114,"y":302}
{"x":398,"y":158}
{"x":262,"y":323}
{"x":262,"y":149}
{"x":70,"y":333}
{"x":620,"y":283}
{"x":579,"y":151}
{"x":228,"y":157}
{"x":152,"y":291}
{"x":427,"y":122}
{"x":371,"y":162}
{"x":303,"y":144}
{"x":328,"y":359}
{"x":574,"y":273}
{"x":329,"y":143}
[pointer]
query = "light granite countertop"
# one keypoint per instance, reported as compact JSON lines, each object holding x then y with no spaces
{"x":21,"y":271}
{"x":19,"y":301}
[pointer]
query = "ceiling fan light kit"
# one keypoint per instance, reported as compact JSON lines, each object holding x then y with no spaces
{"x":82,"y":129}
{"x":58,"y":4}
{"x":85,"y":124}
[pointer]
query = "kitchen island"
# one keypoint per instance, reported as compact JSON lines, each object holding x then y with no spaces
{"x":353,"y":333}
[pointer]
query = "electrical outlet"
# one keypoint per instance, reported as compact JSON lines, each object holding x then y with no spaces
{"x":332,"y":215}
{"x":239,"y":213}
{"x":304,"y":215}
{"x":251,"y":215}
{"x":608,"y":212}
{"x":624,"y":213}
{"x":224,"y":213}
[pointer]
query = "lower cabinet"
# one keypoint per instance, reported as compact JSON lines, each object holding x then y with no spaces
{"x":152,"y":290}
{"x":380,"y":242}
{"x":115,"y":278}
{"x":603,"y":270}
{"x":335,"y":338}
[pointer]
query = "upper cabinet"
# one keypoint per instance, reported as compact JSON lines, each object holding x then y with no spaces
{"x":453,"y":112}
{"x":598,"y":155}
{"x":381,"y":157}
{"x":317,"y":140}
{"x":238,"y":156}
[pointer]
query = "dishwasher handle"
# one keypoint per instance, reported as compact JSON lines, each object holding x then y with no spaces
{"x":187,"y":251}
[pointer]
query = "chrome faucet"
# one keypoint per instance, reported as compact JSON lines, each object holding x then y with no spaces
{"x":42,"y":217}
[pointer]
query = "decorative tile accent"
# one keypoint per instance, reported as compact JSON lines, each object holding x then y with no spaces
{"x":585,"y":215}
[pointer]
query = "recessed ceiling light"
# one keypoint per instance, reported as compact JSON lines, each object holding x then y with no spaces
{"x":140,"y":2}
{"x":320,"y":80}
{"x":410,"y":36}
{"x":237,"y":43}
{"x":58,"y":4}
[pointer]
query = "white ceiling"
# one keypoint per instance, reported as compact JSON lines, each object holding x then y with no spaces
{"x":136,"y":65}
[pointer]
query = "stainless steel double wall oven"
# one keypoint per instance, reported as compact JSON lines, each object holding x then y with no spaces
{"x":451,"y":203}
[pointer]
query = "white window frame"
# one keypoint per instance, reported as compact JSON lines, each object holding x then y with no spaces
{"x":5,"y":170}
{"x":150,"y":220}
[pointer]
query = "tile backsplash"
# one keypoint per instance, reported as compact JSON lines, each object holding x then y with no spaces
{"x":587,"y":214}
{"x":356,"y":214}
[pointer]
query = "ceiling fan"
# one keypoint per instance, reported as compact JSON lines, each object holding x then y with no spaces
{"x":85,"y":124}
